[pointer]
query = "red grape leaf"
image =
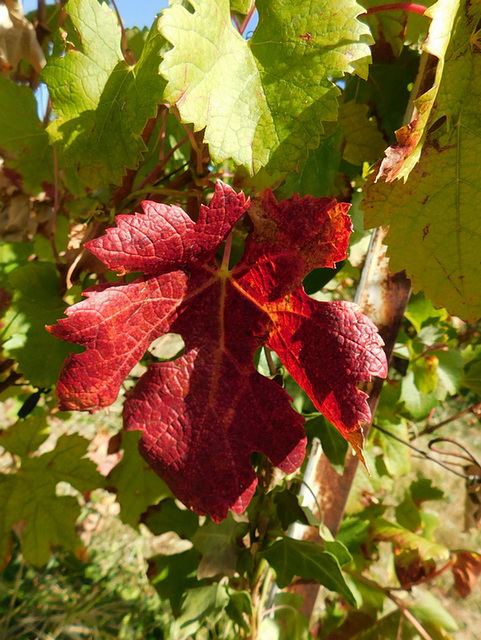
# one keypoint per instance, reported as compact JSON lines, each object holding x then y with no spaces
{"x":204,"y":413}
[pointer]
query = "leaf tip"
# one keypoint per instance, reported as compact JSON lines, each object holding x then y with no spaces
{"x":356,"y":440}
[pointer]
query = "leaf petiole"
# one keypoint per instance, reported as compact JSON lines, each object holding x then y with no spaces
{"x":410,"y":7}
{"x":226,"y":256}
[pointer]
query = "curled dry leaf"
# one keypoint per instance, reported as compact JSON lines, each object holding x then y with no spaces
{"x":204,"y":413}
{"x":466,"y":570}
{"x":17,"y":39}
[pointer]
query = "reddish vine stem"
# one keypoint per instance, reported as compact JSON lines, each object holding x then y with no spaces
{"x":10,"y":380}
{"x":270,"y":361}
{"x":467,"y":456}
{"x":410,"y":7}
{"x":126,"y":187}
{"x":190,"y":133}
{"x":423,"y":453}
{"x":195,"y":144}
{"x":236,"y":21}
{"x":163,"y":126}
{"x":400,"y":626}
{"x":247,"y":19}
{"x":409,"y":616}
{"x":162,"y":160}
{"x":153,"y":174}
{"x":48,"y":110}
{"x":226,"y":255}
{"x":53,"y":226}
{"x":434,"y":347}
{"x":475,"y":409}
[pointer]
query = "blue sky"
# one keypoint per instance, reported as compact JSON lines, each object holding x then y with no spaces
{"x":140,"y":13}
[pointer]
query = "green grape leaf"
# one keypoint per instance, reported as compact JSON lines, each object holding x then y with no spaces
{"x":338,"y":549}
{"x":288,"y":508}
{"x":240,"y":603}
{"x":217,"y":542}
{"x":316,"y":174}
{"x":386,"y":89}
{"x":363,"y":142}
{"x":396,"y":455}
{"x":23,"y":138}
{"x":103,"y":103}
{"x":166,"y":516}
{"x":12,"y":255}
{"x":420,"y":310}
{"x":136,"y":484}
{"x":429,"y":380}
{"x":173,"y":575}
{"x":136,"y":39}
{"x":49,"y":521}
{"x":67,"y":463}
{"x":333,"y":446}
{"x":427,"y":608}
{"x":416,"y":403}
{"x":25,"y":436}
{"x":200,"y":604}
{"x":241,"y":6}
{"x":29,"y":500}
{"x":407,"y":514}
{"x":433,"y":213}
{"x":472,"y":376}
{"x":425,"y":372}
{"x":36,"y":303}
{"x":262,"y":102}
{"x":353,"y":533}
{"x":423,"y":489}
{"x":288,"y":617}
{"x":450,"y":372}
{"x":289,"y":558}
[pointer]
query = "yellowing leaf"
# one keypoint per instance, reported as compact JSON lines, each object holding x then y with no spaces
{"x":270,"y":111}
{"x":435,"y":213}
{"x":402,"y":157}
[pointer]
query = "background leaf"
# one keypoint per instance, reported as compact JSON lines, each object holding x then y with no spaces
{"x":103,"y":103}
{"x":36,"y":303}
{"x":29,"y":500}
{"x":23,"y":137}
{"x":137,"y":486}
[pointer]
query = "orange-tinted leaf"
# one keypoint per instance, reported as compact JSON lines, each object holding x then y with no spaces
{"x":466,"y":570}
{"x":204,"y":413}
